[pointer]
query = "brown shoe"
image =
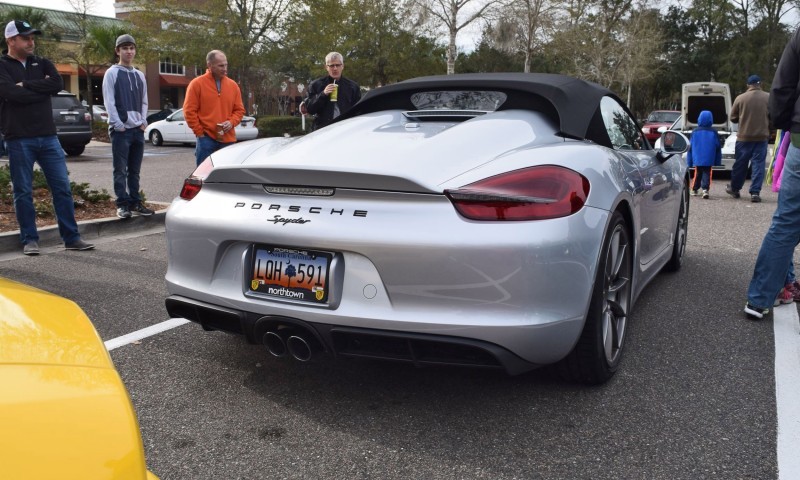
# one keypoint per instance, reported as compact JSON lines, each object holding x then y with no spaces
{"x":31,"y":248}
{"x":79,"y":245}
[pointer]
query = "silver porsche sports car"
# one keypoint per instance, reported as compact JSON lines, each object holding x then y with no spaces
{"x":486,"y":220}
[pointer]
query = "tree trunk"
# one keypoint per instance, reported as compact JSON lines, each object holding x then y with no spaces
{"x":451,"y":53}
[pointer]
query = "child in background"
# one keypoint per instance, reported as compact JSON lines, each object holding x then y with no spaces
{"x":705,"y":152}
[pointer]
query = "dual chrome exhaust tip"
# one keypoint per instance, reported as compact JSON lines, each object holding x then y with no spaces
{"x":299,"y":345}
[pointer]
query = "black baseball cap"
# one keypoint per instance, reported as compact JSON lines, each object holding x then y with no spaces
{"x":20,"y":27}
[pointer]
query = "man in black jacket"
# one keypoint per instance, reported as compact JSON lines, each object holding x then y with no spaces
{"x":331,"y":95}
{"x":26,"y":84}
{"x":783,"y":235}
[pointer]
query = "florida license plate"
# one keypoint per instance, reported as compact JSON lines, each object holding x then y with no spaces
{"x":291,"y":273}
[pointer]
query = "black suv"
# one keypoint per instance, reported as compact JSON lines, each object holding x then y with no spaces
{"x":73,"y":123}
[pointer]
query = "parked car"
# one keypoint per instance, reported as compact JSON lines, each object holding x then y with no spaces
{"x":496,"y":220}
{"x":657,"y":119}
{"x":175,"y":129}
{"x":63,"y":407}
{"x":99,"y":113}
{"x":160,"y":115}
{"x":712,"y":96}
{"x":73,"y":123}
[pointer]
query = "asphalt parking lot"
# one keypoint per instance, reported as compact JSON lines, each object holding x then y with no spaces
{"x":695,"y":396}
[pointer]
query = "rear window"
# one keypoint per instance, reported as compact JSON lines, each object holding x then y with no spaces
{"x":663,"y":117}
{"x":65,"y":102}
{"x":487,"y":101}
{"x":714,"y":104}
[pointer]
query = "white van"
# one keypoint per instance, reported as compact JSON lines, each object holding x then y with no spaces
{"x":712,"y":96}
{"x":716,"y":98}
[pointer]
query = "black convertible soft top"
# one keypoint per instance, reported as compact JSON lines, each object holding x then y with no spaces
{"x":570,"y":103}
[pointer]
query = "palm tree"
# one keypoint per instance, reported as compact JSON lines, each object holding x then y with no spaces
{"x":101,"y":41}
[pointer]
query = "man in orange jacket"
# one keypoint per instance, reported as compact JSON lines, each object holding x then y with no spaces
{"x":213,"y":106}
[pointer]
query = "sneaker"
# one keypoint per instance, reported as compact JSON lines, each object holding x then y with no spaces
{"x":783,"y":298}
{"x":140,"y":209}
{"x":705,"y":193}
{"x":693,"y":193}
{"x":755,"y":198}
{"x":733,"y":193}
{"x":31,"y":248}
{"x":755,"y":313}
{"x":79,"y":245}
{"x":794,"y":289}
{"x":123,"y":212}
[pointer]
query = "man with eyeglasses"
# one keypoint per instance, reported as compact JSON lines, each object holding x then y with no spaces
{"x":333,"y":94}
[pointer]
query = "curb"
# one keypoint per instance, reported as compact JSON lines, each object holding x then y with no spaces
{"x":89,"y":229}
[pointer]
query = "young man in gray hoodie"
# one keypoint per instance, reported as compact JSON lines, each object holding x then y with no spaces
{"x":125,"y":95}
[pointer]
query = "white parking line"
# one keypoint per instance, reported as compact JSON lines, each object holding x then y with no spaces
{"x":144,"y":333}
{"x":786,"y":324}
{"x":787,"y":389}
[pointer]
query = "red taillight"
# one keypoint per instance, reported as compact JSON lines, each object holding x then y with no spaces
{"x":193,"y":184}
{"x":535,"y":193}
{"x":87,"y":117}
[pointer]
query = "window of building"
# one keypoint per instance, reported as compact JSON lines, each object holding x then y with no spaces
{"x":167,"y":67}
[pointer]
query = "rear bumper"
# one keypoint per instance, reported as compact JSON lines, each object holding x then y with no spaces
{"x":418,"y":349}
{"x":74,"y":138}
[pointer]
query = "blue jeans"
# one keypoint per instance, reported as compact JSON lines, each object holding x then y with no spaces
{"x":47,"y":152}
{"x":702,"y":178}
{"x":777,"y":249}
{"x":205,"y":147}
{"x":754,"y":153}
{"x":128,"y":149}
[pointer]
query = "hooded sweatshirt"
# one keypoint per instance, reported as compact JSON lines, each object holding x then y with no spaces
{"x":704,"y":149}
{"x":125,"y":95}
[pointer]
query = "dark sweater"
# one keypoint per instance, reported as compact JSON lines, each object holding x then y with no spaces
{"x":784,"y":97}
{"x":320,"y":105}
{"x":26,"y":111}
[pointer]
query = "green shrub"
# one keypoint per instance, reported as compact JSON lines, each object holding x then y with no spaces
{"x":45,"y":208}
{"x":39,"y":180}
{"x":280,"y":126}
{"x":83,"y":191}
{"x":100,"y":131}
{"x":5,"y":183}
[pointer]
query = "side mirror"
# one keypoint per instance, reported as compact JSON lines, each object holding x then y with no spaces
{"x":672,"y":143}
{"x":662,"y":129}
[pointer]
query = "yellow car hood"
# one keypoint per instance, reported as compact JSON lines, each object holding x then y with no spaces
{"x":64,"y":411}
{"x":37,"y":327}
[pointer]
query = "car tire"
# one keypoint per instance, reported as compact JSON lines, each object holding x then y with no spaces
{"x":156,"y":139}
{"x":596,"y":356}
{"x":681,"y":232}
{"x":74,"y":151}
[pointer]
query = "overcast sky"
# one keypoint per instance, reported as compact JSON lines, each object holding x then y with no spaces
{"x":102,"y":8}
{"x":105,"y":8}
